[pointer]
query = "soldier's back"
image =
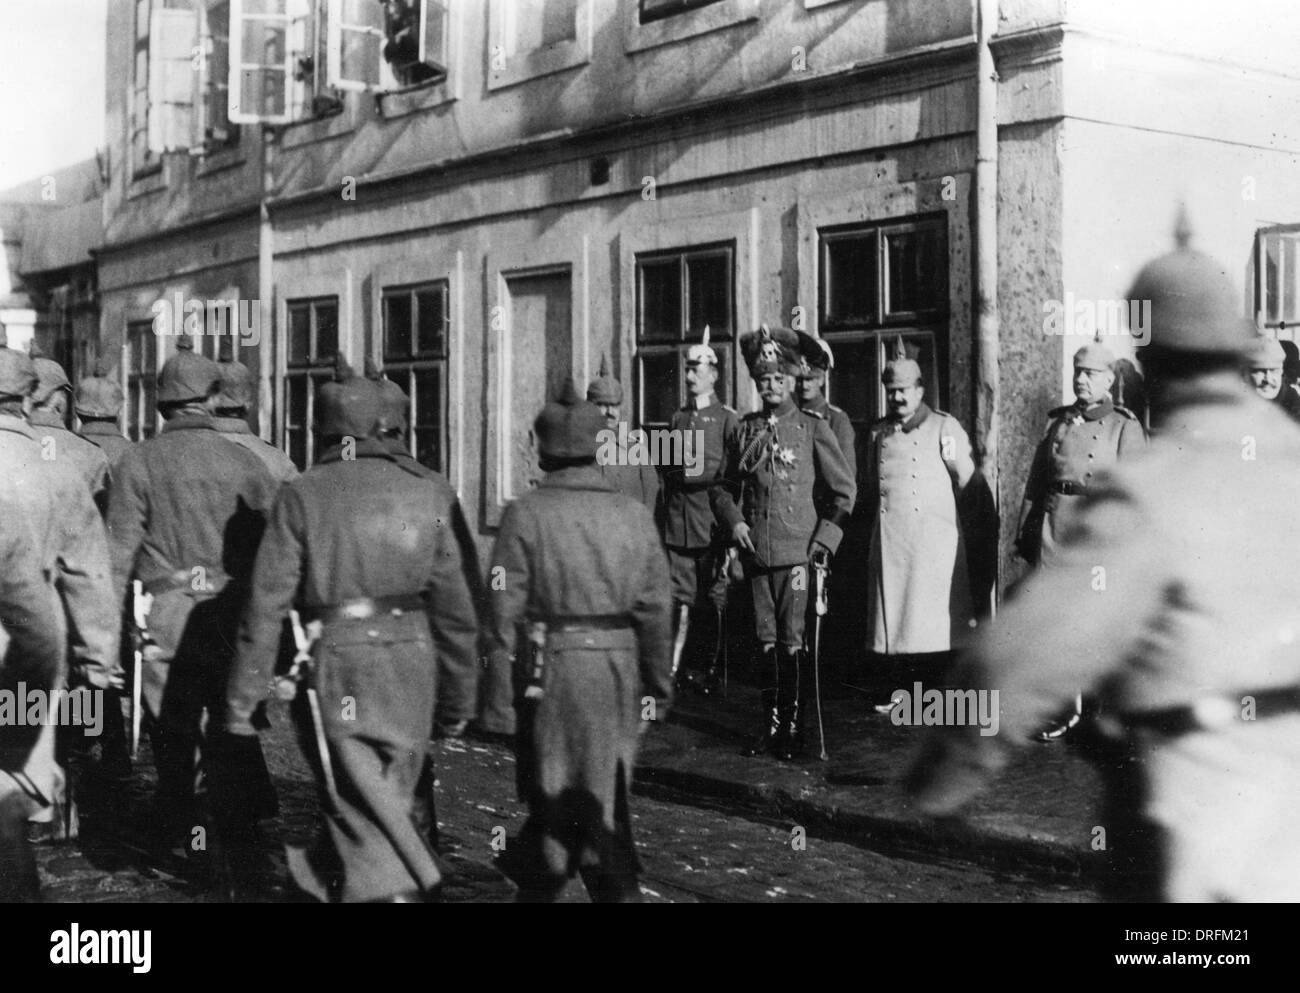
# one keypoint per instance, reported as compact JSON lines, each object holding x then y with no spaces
{"x":277,"y":463}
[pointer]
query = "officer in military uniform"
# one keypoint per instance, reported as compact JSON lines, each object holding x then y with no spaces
{"x":777,"y":461}
{"x":362,"y":543}
{"x":1083,"y":439}
{"x":185,"y":515}
{"x":98,"y":404}
{"x":49,"y":417}
{"x":640,"y":482}
{"x":231,"y":417}
{"x":696,"y":549}
{"x":583,"y":569}
{"x":1263,"y":367}
{"x":1197,"y":658}
{"x":56,"y":603}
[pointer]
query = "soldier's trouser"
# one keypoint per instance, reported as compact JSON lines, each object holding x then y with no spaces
{"x":780,"y":603}
{"x":693,"y":576}
{"x":376,"y":682}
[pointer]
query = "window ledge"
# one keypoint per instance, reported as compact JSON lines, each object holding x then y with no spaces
{"x":219,"y":160}
{"x":150,"y":180}
{"x":638,"y":37}
{"x":523,"y":66}
{"x":412,"y":99}
{"x":309,"y":130}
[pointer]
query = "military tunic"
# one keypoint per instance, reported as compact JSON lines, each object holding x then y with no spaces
{"x":1080,"y":442}
{"x":841,"y":427}
{"x":277,"y":463}
{"x":89,"y":459}
{"x":919,"y":590}
{"x":1193,"y":615}
{"x":106,"y":435}
{"x":640,"y":482}
{"x":587,"y":562}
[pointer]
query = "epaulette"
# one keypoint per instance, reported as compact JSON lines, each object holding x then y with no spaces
{"x":814,"y":413}
{"x":832,"y":407}
{"x":1126,"y":412}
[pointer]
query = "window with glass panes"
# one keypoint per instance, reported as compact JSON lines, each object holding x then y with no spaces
{"x":678,"y":294}
{"x":415,"y":358}
{"x":1277,"y":288}
{"x":313,"y":342}
{"x":141,"y":362}
{"x":882,"y":285}
{"x":142,"y":160}
{"x":218,"y":131}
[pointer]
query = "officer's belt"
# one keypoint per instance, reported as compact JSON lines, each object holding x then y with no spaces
{"x":1213,"y":713}
{"x":578,"y":638}
{"x":182,"y":581}
{"x":1068,"y":487}
{"x":589,"y":622}
{"x":364,"y":608}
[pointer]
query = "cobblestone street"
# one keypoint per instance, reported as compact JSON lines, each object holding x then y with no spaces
{"x":690,"y":853}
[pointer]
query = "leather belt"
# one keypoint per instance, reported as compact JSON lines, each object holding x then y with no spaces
{"x":1068,"y":487}
{"x":364,"y":608}
{"x":1212,"y":713}
{"x":593,"y":622}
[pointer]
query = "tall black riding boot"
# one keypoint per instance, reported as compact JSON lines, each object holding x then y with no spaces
{"x":788,"y":703}
{"x":767,"y":740}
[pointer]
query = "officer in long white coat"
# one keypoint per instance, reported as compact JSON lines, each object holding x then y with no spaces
{"x":1196,"y":658}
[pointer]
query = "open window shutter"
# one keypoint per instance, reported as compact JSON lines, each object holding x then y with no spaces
{"x":173,"y":35}
{"x":433,"y":34}
{"x":216,"y":66}
{"x":260,"y":64}
{"x":356,"y":44}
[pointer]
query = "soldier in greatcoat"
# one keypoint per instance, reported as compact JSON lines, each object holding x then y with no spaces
{"x":640,"y":481}
{"x":696,"y":546}
{"x":1083,"y":439}
{"x":584,"y":574}
{"x":49,"y":417}
{"x":1196,"y":658}
{"x":56,"y":604}
{"x":364,"y":545}
{"x":186,"y":512}
{"x":916,"y":462}
{"x":231,"y":417}
{"x":779,"y":459}
{"x":98,"y":404}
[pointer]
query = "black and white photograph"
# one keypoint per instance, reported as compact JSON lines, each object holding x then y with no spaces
{"x":661,"y":451}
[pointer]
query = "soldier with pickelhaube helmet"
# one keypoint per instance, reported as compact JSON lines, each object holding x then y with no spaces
{"x":231,"y":416}
{"x":695,"y":542}
{"x":585,"y":578}
{"x":185,"y":515}
{"x":640,"y":481}
{"x":778,"y":460}
{"x":1196,"y":659}
{"x":363,"y":548}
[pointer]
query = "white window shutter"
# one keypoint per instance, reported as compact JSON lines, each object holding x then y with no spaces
{"x":261,"y":67}
{"x":356,"y":44}
{"x":433,"y":33}
{"x":173,"y":35}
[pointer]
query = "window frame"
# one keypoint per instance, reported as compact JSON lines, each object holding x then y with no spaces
{"x":315,"y":371}
{"x":1262,"y":295}
{"x":520,"y":67}
{"x":410,"y":366}
{"x":885,"y":326}
{"x":213,"y":86}
{"x":139,"y":380}
{"x":684,"y":24}
{"x":720,"y":339}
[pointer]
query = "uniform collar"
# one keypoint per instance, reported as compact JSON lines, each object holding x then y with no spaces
{"x":46,"y":419}
{"x":819,"y":405}
{"x":576,"y":477}
{"x":1097,"y":411}
{"x":100,"y":429}
{"x":709,"y":399}
{"x":916,"y":420}
{"x":189,"y":422}
{"x":17,"y":425}
{"x":231,"y":425}
{"x":785,"y":409}
{"x":364,"y":448}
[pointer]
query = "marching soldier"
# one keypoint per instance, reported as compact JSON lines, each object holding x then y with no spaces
{"x":582,"y":566}
{"x":185,"y":515}
{"x":640,"y":482}
{"x":1197,"y":657}
{"x":231,"y":418}
{"x":774,"y":465}
{"x":55,"y":600}
{"x":362,"y":544}
{"x":98,"y":403}
{"x":50,"y":417}
{"x":696,"y":551}
{"x":1083,"y":439}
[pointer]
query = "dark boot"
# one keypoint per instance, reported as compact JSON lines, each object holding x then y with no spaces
{"x":766,"y":741}
{"x":787,"y":703}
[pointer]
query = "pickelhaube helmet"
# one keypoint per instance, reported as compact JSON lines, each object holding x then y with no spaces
{"x":50,"y":377}
{"x":567,"y":428}
{"x":605,"y":388}
{"x":393,"y":397}
{"x":1265,"y":353}
{"x":237,"y":388}
{"x":98,"y":396}
{"x":17,"y":374}
{"x":769,"y":350}
{"x":1194,"y":308}
{"x":349,"y":406}
{"x":702,"y":354}
{"x":187,"y":376}
{"x":1095,"y":355}
{"x":901,"y":370}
